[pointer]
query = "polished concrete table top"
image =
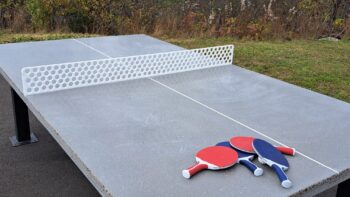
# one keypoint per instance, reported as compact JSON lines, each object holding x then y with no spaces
{"x":134,"y":138}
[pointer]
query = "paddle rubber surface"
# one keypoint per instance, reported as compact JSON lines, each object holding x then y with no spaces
{"x":213,"y":158}
{"x":269,"y":155}
{"x":244,"y":143}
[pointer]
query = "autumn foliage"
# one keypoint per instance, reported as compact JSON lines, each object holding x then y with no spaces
{"x":254,"y":19}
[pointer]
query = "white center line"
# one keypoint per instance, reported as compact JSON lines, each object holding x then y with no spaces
{"x":92,"y":48}
{"x":217,"y":112}
{"x":240,"y":123}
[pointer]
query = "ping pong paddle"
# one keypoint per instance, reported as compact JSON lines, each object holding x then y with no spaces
{"x":270,"y":156}
{"x":244,"y":143}
{"x":212,"y":158}
{"x":244,"y":159}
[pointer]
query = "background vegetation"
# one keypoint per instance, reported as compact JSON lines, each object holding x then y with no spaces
{"x":253,"y":19}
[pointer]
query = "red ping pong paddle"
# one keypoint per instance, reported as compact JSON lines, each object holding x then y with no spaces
{"x":212,"y":158}
{"x":245,"y":144}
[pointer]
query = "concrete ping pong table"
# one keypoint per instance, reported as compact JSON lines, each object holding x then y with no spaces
{"x":133,"y":138}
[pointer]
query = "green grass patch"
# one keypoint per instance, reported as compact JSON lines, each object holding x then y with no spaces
{"x":322,"y":66}
{"x":11,"y":38}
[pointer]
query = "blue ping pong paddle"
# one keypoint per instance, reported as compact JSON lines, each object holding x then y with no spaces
{"x":244,"y":159}
{"x":270,"y":156}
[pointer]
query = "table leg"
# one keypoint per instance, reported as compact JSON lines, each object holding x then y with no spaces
{"x":344,"y":189}
{"x":20,"y":111}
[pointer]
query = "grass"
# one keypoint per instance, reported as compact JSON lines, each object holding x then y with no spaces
{"x":322,"y":66}
{"x":6,"y":37}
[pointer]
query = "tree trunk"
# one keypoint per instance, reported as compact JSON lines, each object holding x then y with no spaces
{"x":243,"y":5}
{"x":335,"y":9}
{"x":270,"y":13}
{"x":346,"y":9}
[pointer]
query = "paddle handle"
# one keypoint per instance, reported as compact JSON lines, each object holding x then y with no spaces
{"x":189,"y":172}
{"x":252,"y":167}
{"x":286,"y":150}
{"x":285,"y":182}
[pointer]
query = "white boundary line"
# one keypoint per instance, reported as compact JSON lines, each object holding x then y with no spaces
{"x":219,"y":113}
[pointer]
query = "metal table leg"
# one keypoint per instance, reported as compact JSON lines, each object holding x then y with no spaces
{"x":23,"y":134}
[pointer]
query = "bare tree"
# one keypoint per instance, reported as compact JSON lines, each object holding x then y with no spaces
{"x":243,"y":4}
{"x":269,"y":12}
